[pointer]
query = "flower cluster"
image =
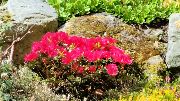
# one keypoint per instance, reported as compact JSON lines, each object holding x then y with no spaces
{"x":82,"y":55}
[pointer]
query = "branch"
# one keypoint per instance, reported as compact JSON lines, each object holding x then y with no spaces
{"x":11,"y":47}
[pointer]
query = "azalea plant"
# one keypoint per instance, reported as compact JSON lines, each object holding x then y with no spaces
{"x":64,"y":57}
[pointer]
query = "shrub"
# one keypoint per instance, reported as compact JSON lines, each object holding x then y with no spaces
{"x":78,"y":61}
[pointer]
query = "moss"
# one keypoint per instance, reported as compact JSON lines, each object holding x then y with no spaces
{"x":86,"y":26}
{"x":137,"y":44}
{"x":5,"y":16}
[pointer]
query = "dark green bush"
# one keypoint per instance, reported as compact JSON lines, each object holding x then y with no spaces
{"x":131,"y":11}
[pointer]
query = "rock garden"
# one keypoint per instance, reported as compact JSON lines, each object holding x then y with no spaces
{"x":89,"y":50}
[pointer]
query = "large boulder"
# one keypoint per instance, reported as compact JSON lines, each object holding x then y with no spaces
{"x":34,"y":17}
{"x":140,"y":45}
{"x":173,"y":52}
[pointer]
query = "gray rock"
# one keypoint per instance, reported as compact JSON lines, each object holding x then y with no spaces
{"x":154,"y":33}
{"x":173,"y":52}
{"x":155,"y":60}
{"x":31,"y":11}
{"x":34,"y":16}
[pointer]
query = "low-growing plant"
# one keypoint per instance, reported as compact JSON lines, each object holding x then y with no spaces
{"x":6,"y":82}
{"x":131,"y":11}
{"x":86,"y":64}
{"x":69,"y":8}
{"x":27,"y":86}
{"x":166,"y":93}
{"x":140,"y":11}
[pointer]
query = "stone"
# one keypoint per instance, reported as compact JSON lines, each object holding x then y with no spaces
{"x":153,"y":33}
{"x":155,"y":60}
{"x":31,"y":11}
{"x":134,"y":41}
{"x":96,"y":24}
{"x":28,"y":16}
{"x":173,"y":52}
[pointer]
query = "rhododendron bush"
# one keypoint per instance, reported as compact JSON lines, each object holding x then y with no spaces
{"x":62,"y":56}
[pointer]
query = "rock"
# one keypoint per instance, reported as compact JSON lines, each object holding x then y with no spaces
{"x":164,"y":37}
{"x":173,"y":52}
{"x":154,"y":33}
{"x":138,"y":44}
{"x":155,"y":60}
{"x":28,"y":16}
{"x":31,"y":11}
{"x":92,"y":25}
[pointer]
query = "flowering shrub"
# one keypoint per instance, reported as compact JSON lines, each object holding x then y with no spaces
{"x":62,"y":56}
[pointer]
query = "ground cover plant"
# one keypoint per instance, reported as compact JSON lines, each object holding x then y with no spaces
{"x":6,"y":82}
{"x":131,"y":11}
{"x":168,"y":92}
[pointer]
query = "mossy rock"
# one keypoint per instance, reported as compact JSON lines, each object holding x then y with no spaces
{"x":134,"y":41}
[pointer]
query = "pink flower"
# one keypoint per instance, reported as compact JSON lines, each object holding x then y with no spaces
{"x":74,"y":66}
{"x":77,"y":41}
{"x":127,"y":59}
{"x":88,"y":55}
{"x":44,"y":60}
{"x":121,"y":58}
{"x":55,"y":38}
{"x":112,"y":69}
{"x":62,"y":52}
{"x":80,"y":70}
{"x":107,"y":41}
{"x":92,"y":69}
{"x":115,"y":49}
{"x":47,"y":37}
{"x":36,"y":47}
{"x":118,"y":55}
{"x":93,"y":56}
{"x":30,"y":57}
{"x":67,"y":59}
{"x":92,"y":43}
{"x":76,"y":53}
{"x":61,"y":37}
{"x":73,"y":55}
{"x":106,"y":54}
{"x":52,"y":50}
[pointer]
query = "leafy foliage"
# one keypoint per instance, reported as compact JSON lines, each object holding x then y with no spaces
{"x":69,"y":8}
{"x":131,"y":11}
{"x":6,"y":82}
{"x":139,"y":11}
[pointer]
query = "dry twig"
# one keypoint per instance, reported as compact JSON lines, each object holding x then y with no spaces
{"x":11,"y":47}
